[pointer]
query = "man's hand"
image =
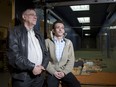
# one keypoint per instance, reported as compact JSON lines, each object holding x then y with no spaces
{"x":41,"y":67}
{"x":38,"y":69}
{"x":59,"y":75}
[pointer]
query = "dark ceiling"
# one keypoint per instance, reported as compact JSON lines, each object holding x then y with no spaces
{"x":99,"y":12}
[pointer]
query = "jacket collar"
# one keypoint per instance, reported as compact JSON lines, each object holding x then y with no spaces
{"x":52,"y":36}
{"x":25,"y":30}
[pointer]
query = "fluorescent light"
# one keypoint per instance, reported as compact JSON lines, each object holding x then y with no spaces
{"x":84,"y":19}
{"x":112,"y":27}
{"x":105,"y":34}
{"x":87,"y":34}
{"x":86,"y":27}
{"x":49,"y":22}
{"x":80,"y":7}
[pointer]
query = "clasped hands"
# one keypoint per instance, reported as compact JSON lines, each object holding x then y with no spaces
{"x":38,"y":69}
{"x":59,"y":75}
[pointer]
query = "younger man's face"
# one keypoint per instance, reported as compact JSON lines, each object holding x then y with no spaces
{"x":59,"y":30}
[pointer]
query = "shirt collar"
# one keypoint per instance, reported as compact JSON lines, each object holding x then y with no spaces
{"x":55,"y":39}
{"x":30,"y":29}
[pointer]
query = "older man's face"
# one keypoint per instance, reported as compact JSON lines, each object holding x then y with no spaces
{"x":30,"y":17}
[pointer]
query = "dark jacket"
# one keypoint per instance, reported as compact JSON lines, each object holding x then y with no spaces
{"x":18,"y":52}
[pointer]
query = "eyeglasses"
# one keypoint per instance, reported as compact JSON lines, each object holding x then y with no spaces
{"x":31,"y":15}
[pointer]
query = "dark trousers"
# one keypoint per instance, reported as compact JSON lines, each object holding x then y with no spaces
{"x":70,"y":80}
{"x":29,"y":81}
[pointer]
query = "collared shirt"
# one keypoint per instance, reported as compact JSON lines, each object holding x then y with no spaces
{"x":34,"y":49}
{"x":59,"y":47}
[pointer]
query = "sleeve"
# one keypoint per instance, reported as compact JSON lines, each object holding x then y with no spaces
{"x":15,"y":58}
{"x":50,"y":67}
{"x":71,"y":58}
{"x":46,"y":55}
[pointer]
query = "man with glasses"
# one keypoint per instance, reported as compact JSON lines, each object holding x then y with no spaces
{"x":27,"y":54}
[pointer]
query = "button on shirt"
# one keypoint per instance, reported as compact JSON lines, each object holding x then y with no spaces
{"x":34,"y":49}
{"x":59,"y":45}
